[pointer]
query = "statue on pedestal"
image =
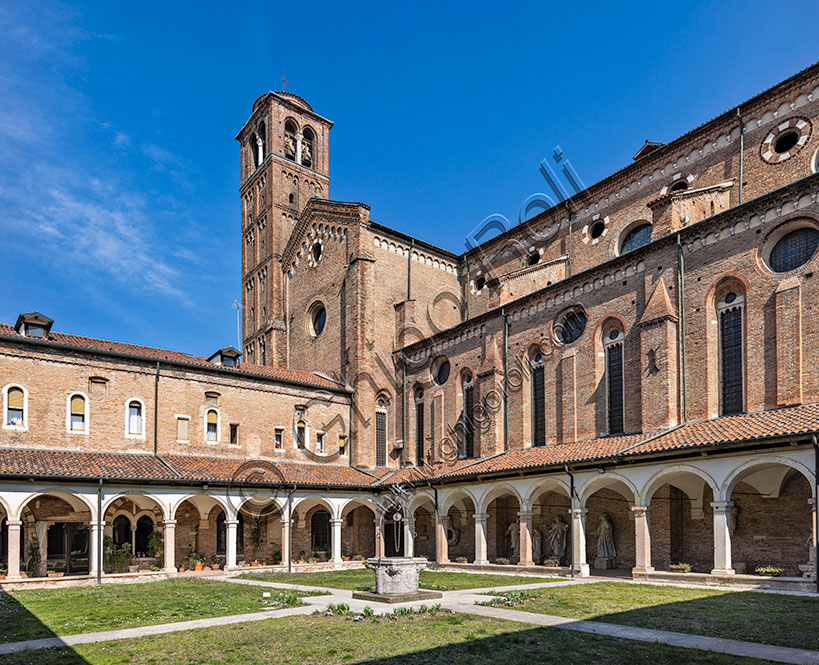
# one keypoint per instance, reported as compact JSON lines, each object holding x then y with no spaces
{"x":513,"y":531}
{"x":605,"y":543}
{"x":557,"y":537}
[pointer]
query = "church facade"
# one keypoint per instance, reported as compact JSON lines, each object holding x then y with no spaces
{"x":626,"y":380}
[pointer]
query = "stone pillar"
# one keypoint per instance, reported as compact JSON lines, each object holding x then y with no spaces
{"x":642,"y":538}
{"x":230,"y":543}
{"x":722,"y":537}
{"x":260,"y":150}
{"x":14,"y":531}
{"x":299,"y":137}
{"x":525,"y":540}
{"x":409,"y":536}
{"x":41,"y":529}
{"x":379,"y":538}
{"x":579,"y":565}
{"x":94,"y":544}
{"x":480,"y":538}
{"x":813,"y":559}
{"x":169,"y":546}
{"x":133,"y":540}
{"x":441,"y":523}
{"x":336,"y":540}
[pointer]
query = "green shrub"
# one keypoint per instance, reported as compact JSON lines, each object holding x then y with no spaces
{"x":342,"y":609}
{"x":768,"y":570}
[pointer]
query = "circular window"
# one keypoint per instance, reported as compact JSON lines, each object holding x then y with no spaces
{"x":596,"y":230}
{"x":317,"y":252}
{"x":318,"y":318}
{"x":785,"y":140}
{"x":570,"y":326}
{"x":440,"y":370}
{"x":480,"y":282}
{"x":614,"y":334}
{"x":638,"y":236}
{"x":534,"y":258}
{"x":794,"y":249}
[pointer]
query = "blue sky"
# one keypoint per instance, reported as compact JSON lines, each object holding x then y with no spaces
{"x":119,"y":204}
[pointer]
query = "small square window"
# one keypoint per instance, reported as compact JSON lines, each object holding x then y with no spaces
{"x":319,"y":442}
{"x":278,"y":436}
{"x":182,"y":429}
{"x":234,"y":434}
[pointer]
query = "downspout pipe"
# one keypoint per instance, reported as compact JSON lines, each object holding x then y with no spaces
{"x":571,"y":518}
{"x":156,"y":409}
{"x":98,"y":544}
{"x":505,"y":379}
{"x":815,"y":513}
{"x":682,"y":331}
{"x":289,"y":552}
{"x":404,"y":409}
{"x":435,"y":491}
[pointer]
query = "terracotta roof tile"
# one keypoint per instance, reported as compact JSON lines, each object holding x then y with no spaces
{"x":94,"y":344}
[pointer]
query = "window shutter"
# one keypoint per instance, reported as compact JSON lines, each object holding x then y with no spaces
{"x":614,"y":369}
{"x":213,"y":419}
{"x":538,"y":406}
{"x":77,"y":406}
{"x":731,"y":338}
{"x":419,"y":434}
{"x":15,"y":397}
{"x":182,"y":429}
{"x":380,"y":438}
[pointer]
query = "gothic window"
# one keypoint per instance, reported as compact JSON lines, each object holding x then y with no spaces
{"x":537,"y":365}
{"x":381,"y":432}
{"x":301,"y":433}
{"x":212,"y":426}
{"x":16,"y":415}
{"x":134,"y":418}
{"x":613,"y":343}
{"x":290,"y":131}
{"x":260,"y":144}
{"x":679,"y":186}
{"x":255,"y":147}
{"x":308,"y":147}
{"x":730,"y":307}
{"x":440,"y":370}
{"x":468,"y":434}
{"x":317,"y":319}
{"x":77,"y":415}
{"x":637,"y":237}
{"x":794,"y":249}
{"x":419,"y":427}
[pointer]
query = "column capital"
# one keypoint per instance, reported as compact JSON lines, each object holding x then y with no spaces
{"x":579,"y":511}
{"x":96,"y":524}
{"x":338,"y":522}
{"x":480,"y":516}
{"x":14,"y":523}
{"x":231,"y":522}
{"x":722,"y":506}
{"x":812,"y":503}
{"x":526,"y":514}
{"x":169,"y":523}
{"x":641,"y":509}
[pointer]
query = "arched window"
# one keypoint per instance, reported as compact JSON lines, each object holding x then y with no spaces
{"x":307,"y":147}
{"x":221,"y":533}
{"x":419,"y":427}
{"x":15,"y":403}
{"x":613,"y":343}
{"x":262,"y":352}
{"x":135,"y":425}
{"x":212,"y":426}
{"x":290,"y":131}
{"x":468,"y":448}
{"x":637,"y":237}
{"x":76,"y":413}
{"x":320,"y":530}
{"x":537,"y":366}
{"x":122,"y":530}
{"x":144,"y":529}
{"x":381,"y":432}
{"x":730,"y":305}
{"x":301,"y":434}
{"x":261,"y":142}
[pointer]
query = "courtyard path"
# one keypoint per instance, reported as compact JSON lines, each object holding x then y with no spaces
{"x":457,"y":601}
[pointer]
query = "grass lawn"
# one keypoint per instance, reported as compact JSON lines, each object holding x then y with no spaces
{"x":753,"y":617}
{"x":362,"y":579}
{"x":36,"y":613}
{"x":453,"y":639}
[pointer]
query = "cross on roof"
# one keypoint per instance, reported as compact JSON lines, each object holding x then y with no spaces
{"x":284,"y":82}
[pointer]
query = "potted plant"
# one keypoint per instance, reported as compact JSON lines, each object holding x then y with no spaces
{"x":461,"y":559}
{"x":680,"y":567}
{"x":3,"y":573}
{"x":358,"y":557}
{"x":313,"y":558}
{"x":215,"y":564}
{"x":300,"y":558}
{"x":33,"y":558}
{"x":772,"y":571}
{"x":277,"y":557}
{"x":502,"y":560}
{"x":551,"y":562}
{"x":198,"y":561}
{"x":155,"y":544}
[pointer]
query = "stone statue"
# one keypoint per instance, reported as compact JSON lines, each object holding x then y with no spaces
{"x":811,"y":550}
{"x":513,"y":531}
{"x":289,"y":146}
{"x":306,"y":153}
{"x":557,"y":537}
{"x":605,"y":538}
{"x":537,"y":544}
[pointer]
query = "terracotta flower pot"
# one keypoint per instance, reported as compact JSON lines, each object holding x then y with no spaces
{"x":198,"y":567}
{"x":254,"y":563}
{"x":2,"y":577}
{"x":181,"y":569}
{"x":215,"y":566}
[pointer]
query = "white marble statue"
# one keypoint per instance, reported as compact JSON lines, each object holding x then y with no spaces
{"x":537,"y":544}
{"x":513,"y":531}
{"x":557,"y":537}
{"x":605,"y":538}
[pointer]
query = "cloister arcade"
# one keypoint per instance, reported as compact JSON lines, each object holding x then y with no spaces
{"x":721,"y":514}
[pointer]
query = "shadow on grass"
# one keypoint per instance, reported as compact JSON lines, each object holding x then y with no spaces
{"x":21,"y":624}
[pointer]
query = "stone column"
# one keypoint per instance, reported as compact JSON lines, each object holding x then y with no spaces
{"x":94,"y":544}
{"x":299,"y":137}
{"x":642,"y":537}
{"x":480,"y":538}
{"x":133,"y":540}
{"x":230,"y":543}
{"x":813,"y":559}
{"x":525,"y":540}
{"x":441,"y":523}
{"x":14,"y":531}
{"x":722,"y":537}
{"x":169,"y":546}
{"x":579,"y":565}
{"x":336,"y":540}
{"x":379,"y":538}
{"x":409,"y":536}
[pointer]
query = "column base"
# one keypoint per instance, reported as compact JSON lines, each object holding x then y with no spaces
{"x":339,"y":560}
{"x":481,"y":562}
{"x":444,"y":561}
{"x":642,"y":569}
{"x":169,"y":570}
{"x":526,"y":563}
{"x":723,"y":571}
{"x":581,"y":569}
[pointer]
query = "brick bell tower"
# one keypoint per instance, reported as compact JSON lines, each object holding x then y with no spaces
{"x":284,"y":163}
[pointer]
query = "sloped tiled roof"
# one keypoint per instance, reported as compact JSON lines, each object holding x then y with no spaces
{"x":94,"y":344}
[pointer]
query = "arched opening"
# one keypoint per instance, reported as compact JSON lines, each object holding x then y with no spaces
{"x":121,"y":530}
{"x":357,"y":531}
{"x":290,"y":131}
{"x":55,"y":535}
{"x":128,"y":538}
{"x":770,"y":519}
{"x":320,"y":531}
{"x":460,"y":529}
{"x":308,"y":147}
{"x":259,"y":532}
{"x":423,"y":522}
{"x":503,"y":528}
{"x":681,"y":522}
{"x":609,"y":524}
{"x":551,"y":526}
